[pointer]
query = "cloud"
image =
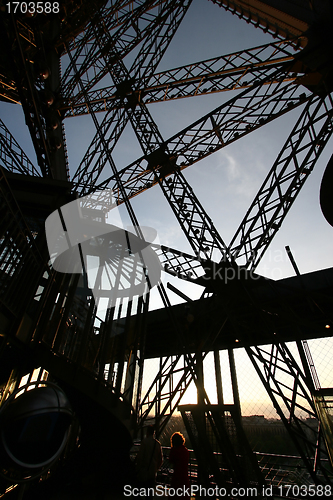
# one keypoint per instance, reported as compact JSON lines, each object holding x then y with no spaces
{"x":244,"y":169}
{"x":233,"y":168}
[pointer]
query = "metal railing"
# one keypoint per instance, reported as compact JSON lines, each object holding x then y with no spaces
{"x":279,"y":471}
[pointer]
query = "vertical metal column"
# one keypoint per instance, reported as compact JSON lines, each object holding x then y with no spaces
{"x":218,"y":377}
{"x":234,"y":383}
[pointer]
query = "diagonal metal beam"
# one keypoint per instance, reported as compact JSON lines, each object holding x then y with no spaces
{"x":197,"y":226}
{"x":86,"y":62}
{"x":291,"y":394}
{"x":234,"y":71}
{"x":12,"y":157}
{"x":153,"y":48}
{"x":290,"y":21}
{"x":84,"y":49}
{"x":26,"y":86}
{"x":227,"y":123}
{"x":115,"y":14}
{"x":160,"y":163}
{"x":287,"y":176}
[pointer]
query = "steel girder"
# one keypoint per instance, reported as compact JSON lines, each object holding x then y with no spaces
{"x":274,"y":199}
{"x":282,"y":21}
{"x":78,"y":34}
{"x":259,"y":104}
{"x":12,"y":156}
{"x":34,"y":93}
{"x":19,"y":254}
{"x":213,"y":135}
{"x":286,"y":178}
{"x":230,"y":72}
{"x":115,"y":121}
{"x":291,"y":390}
{"x":151,"y":141}
{"x":254,"y":107}
{"x":86,"y":62}
{"x":9,"y":91}
{"x":28,"y":88}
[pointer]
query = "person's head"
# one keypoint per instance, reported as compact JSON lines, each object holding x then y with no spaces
{"x":177,"y":439}
{"x":150,"y":430}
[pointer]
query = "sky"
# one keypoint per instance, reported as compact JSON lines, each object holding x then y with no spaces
{"x":227,"y":181}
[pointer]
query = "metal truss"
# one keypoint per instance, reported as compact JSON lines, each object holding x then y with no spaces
{"x":34,"y":94}
{"x":179,"y":264}
{"x":279,"y":190}
{"x":115,"y":13}
{"x":22,"y":73}
{"x":214,"y":131}
{"x":283,"y":183}
{"x":177,"y":372}
{"x":34,"y":74}
{"x":114,"y":122}
{"x":86,"y":62}
{"x":9,"y":91}
{"x":221,"y":446}
{"x":161,"y":41}
{"x":20,"y":259}
{"x":290,"y":389}
{"x":196,"y":224}
{"x":230,"y":72}
{"x":229,"y":122}
{"x":291,"y":169}
{"x":259,"y":104}
{"x":166,"y":391}
{"x":260,"y":17}
{"x":12,"y":157}
{"x":179,"y":195}
{"x":135,"y":360}
{"x":174,"y":377}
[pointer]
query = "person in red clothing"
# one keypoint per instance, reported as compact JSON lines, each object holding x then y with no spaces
{"x":179,"y":456}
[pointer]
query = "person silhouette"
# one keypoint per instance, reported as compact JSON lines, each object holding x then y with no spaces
{"x":179,"y":457}
{"x":149,"y":459}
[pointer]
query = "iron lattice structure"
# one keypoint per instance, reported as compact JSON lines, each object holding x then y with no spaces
{"x":55,"y":66}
